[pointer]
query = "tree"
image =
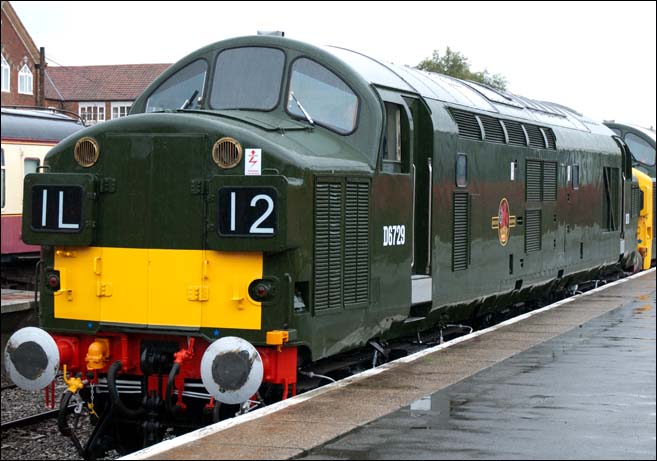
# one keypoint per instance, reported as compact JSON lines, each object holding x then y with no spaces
{"x":456,"y":65}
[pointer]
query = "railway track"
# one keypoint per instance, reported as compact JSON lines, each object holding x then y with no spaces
{"x":34,"y":419}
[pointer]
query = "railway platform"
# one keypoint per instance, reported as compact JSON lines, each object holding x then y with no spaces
{"x":572,"y":380}
{"x":16,"y":301}
{"x":17,"y":312}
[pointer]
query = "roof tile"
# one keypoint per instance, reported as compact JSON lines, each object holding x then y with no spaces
{"x":101,"y":83}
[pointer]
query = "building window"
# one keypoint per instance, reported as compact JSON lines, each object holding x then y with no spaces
{"x":92,"y":112}
{"x":5,"y":75}
{"x":25,"y":80}
{"x":120,"y":109}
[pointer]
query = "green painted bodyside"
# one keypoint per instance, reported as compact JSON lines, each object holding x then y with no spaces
{"x":155,"y":182}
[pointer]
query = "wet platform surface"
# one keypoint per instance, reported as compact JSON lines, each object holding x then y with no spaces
{"x":587,"y":394}
{"x":576,"y":380}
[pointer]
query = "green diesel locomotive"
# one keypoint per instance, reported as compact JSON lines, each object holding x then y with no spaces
{"x":269,"y":204}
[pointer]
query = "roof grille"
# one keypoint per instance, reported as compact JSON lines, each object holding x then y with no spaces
{"x":467,"y":123}
{"x":550,"y":138}
{"x":493,"y":131}
{"x":536,"y":138}
{"x":516,"y":133}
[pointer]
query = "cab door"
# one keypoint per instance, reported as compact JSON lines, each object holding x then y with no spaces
{"x":392,"y":210}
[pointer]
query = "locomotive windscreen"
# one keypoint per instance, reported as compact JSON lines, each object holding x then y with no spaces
{"x":247,"y":78}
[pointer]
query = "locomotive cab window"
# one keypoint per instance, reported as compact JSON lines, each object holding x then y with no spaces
{"x":319,"y":96}
{"x":397,"y":134}
{"x":392,"y":142}
{"x":181,"y":90}
{"x":247,"y":78}
{"x":641,"y":150}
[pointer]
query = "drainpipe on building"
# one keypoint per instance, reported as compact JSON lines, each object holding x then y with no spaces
{"x":41,"y":66}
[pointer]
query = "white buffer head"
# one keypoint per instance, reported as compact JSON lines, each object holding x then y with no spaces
{"x":231,"y":370}
{"x":31,"y":358}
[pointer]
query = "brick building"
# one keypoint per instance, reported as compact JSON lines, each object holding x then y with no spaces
{"x":95,"y":93}
{"x":99,"y":93}
{"x":22,"y":69}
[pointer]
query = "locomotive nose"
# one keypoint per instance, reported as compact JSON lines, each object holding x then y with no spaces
{"x":231,"y":370}
{"x":31,"y":358}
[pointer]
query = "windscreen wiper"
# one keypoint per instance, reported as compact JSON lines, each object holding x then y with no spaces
{"x":189,"y":101}
{"x":306,"y":114}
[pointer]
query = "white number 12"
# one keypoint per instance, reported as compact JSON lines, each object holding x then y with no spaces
{"x":255,"y":229}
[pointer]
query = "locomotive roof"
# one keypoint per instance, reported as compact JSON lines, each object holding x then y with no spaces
{"x":37,"y":125}
{"x":451,"y":90}
{"x":428,"y":85}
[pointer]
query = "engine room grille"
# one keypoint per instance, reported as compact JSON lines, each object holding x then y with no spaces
{"x":461,"y":231}
{"x":636,"y":200}
{"x":533,"y":231}
{"x":549,"y":181}
{"x":342,"y":266}
{"x":356,"y":247}
{"x":328,"y":245}
{"x":533,"y":181}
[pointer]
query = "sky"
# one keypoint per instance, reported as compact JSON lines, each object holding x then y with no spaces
{"x":596,"y":57}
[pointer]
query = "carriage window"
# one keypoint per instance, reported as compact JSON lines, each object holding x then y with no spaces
{"x":641,"y":150}
{"x":30,"y":165}
{"x":247,"y":78}
{"x":181,"y":89}
{"x":324,"y":96}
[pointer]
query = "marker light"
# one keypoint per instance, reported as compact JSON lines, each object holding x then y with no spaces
{"x":261,"y":290}
{"x":53,"y":280}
